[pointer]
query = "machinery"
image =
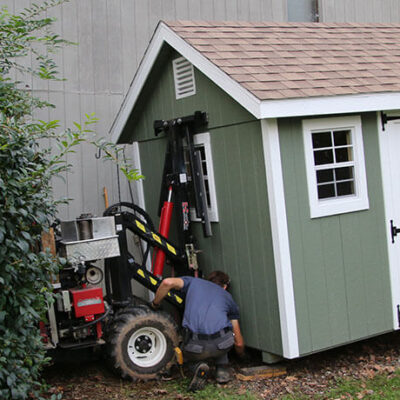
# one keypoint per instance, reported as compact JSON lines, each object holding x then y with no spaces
{"x":95,"y":305}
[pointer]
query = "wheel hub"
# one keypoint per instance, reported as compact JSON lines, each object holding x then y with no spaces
{"x":146,"y":347}
{"x":143,"y":344}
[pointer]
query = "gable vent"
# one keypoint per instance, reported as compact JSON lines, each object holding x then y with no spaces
{"x":184,"y":78}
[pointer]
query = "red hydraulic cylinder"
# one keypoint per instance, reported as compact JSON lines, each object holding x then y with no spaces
{"x":165,"y":222}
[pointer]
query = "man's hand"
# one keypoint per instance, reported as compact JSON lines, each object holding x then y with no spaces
{"x":154,"y":306}
{"x":239,"y":341}
{"x":165,"y":286}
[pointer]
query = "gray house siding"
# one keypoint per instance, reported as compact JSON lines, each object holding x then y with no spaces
{"x":385,"y":11}
{"x":340,"y":265}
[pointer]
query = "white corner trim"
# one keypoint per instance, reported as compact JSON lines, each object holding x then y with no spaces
{"x":388,"y":202}
{"x":136,"y":163}
{"x":280,"y":237}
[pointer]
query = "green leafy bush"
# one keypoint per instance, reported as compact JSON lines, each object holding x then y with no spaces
{"x":27,"y":207}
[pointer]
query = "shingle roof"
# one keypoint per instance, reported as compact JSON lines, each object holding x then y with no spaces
{"x":287,"y":60}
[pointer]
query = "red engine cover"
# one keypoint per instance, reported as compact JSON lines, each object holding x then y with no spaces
{"x":87,"y":301}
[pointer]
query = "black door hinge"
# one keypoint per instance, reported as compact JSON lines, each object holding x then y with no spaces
{"x":394,"y":230}
{"x":385,"y":119}
{"x":398,"y":314}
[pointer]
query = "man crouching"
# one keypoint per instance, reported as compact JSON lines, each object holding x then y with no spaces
{"x":211,"y":323}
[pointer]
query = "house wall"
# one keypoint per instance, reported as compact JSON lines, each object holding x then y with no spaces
{"x":386,"y":11}
{"x":241,"y":243}
{"x":339,"y":263}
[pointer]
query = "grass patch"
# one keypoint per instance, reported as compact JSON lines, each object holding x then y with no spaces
{"x":177,"y":390}
{"x":210,"y":391}
{"x":381,"y":386}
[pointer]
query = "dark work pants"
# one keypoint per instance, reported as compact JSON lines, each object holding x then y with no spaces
{"x":196,"y":349}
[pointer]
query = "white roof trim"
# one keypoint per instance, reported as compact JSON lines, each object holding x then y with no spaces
{"x":329,"y":105}
{"x":260,"y":109}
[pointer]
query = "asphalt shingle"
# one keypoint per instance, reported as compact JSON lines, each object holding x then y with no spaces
{"x":294,"y":60}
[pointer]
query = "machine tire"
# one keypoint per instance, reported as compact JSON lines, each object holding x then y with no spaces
{"x":141,"y":343}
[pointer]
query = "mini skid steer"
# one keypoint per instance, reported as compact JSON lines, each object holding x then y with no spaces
{"x":95,"y":305}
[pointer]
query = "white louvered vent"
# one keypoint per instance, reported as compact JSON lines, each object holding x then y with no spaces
{"x":184,"y":78}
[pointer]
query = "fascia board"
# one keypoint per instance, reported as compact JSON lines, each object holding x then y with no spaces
{"x":164,"y":34}
{"x":303,"y":107}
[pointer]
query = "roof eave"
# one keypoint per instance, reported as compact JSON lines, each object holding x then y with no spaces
{"x":326,"y":105}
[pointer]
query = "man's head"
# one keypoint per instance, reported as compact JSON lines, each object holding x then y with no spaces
{"x":220,"y":278}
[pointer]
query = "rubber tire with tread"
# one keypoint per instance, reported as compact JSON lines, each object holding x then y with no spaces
{"x":124,"y":327}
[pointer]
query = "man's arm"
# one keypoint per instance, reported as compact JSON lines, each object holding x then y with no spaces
{"x":239,"y":341}
{"x":165,"y":286}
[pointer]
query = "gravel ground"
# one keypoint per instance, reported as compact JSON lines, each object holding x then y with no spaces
{"x":87,"y":378}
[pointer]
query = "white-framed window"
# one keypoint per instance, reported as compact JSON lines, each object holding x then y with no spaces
{"x":335,"y":165}
{"x":201,"y":141}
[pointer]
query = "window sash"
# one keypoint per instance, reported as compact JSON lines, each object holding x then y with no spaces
{"x":348,"y":191}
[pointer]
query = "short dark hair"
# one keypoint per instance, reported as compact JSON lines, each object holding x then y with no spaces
{"x":219,"y":277}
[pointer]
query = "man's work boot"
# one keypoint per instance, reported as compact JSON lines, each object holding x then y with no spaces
{"x":223,"y":374}
{"x":199,"y":378}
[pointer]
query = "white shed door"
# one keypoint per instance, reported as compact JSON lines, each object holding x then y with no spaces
{"x":390,"y":159}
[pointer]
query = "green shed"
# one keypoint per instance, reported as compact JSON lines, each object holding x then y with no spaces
{"x":302,"y":155}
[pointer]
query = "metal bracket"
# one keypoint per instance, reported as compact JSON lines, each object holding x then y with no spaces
{"x":394,"y":230}
{"x":385,"y":119}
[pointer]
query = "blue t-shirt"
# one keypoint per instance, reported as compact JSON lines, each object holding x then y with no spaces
{"x":208,"y":307}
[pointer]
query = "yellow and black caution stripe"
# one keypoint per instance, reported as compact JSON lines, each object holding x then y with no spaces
{"x":151,"y":282}
{"x":156,"y":240}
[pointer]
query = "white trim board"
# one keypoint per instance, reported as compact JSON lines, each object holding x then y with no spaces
{"x":280,"y":238}
{"x":389,"y":211}
{"x":260,"y":109}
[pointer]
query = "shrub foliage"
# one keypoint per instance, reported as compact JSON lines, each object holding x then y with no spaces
{"x":26,"y":204}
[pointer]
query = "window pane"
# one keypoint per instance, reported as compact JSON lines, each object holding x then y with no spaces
{"x":345,"y":188}
{"x":344,"y":173}
{"x":342,"y":138}
{"x":324,"y":175}
{"x":321,"y":139}
{"x":323,"y":157}
{"x":343,"y":155}
{"x":325,"y":191}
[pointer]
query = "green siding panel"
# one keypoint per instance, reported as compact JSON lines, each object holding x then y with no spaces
{"x":157,"y":101}
{"x":242,"y":241}
{"x":340,"y":264}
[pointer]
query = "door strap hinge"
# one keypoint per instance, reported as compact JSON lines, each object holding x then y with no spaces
{"x":385,"y":119}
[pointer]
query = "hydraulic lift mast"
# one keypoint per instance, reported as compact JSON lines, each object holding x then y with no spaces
{"x":175,"y":182}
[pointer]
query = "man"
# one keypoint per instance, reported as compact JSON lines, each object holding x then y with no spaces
{"x":211,"y":322}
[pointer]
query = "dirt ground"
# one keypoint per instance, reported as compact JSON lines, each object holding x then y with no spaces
{"x":86,"y":377}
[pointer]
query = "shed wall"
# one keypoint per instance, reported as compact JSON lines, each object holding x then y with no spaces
{"x":241,"y":243}
{"x":340,"y":264}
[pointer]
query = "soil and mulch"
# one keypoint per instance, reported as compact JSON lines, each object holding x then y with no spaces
{"x":90,"y":379}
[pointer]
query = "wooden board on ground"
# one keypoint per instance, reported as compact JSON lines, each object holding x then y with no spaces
{"x":260,"y":372}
